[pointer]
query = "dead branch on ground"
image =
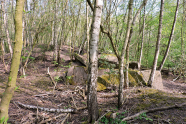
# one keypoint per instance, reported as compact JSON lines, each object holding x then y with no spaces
{"x":153,"y":110}
{"x":81,"y":91}
{"x":80,"y":108}
{"x":96,"y":122}
{"x":50,"y":119}
{"x":69,"y":110}
{"x":65,"y":118}
{"x":55,"y":83}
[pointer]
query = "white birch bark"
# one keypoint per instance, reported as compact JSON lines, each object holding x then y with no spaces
{"x":142,"y":39}
{"x":151,"y":78}
{"x":93,"y":59}
{"x":170,"y":37}
{"x":55,"y":31}
{"x":121,"y":62}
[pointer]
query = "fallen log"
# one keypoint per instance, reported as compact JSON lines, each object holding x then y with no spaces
{"x":70,"y":110}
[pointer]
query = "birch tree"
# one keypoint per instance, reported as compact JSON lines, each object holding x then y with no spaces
{"x":55,"y":31}
{"x":151,"y":78}
{"x":142,"y":39}
{"x":170,"y":37}
{"x":121,"y":62}
{"x":126,"y":81}
{"x":93,"y":59}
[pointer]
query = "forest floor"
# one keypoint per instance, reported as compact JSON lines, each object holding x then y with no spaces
{"x":37,"y":89}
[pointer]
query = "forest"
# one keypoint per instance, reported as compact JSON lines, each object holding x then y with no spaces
{"x":92,"y":61}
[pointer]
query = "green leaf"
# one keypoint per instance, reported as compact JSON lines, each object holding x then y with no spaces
{"x":2,"y":119}
{"x":69,"y":77}
{"x":31,"y":58}
{"x":16,"y":88}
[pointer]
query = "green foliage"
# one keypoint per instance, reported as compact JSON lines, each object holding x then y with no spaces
{"x":104,"y":120}
{"x":62,"y":60}
{"x":3,"y":120}
{"x":84,"y":118}
{"x":116,"y":109}
{"x":22,"y":76}
{"x":144,"y":116}
{"x":84,"y":103}
{"x":113,"y":121}
{"x":16,"y":88}
{"x":124,"y":112}
{"x":68,"y":77}
{"x":55,"y":62}
{"x":25,"y":57}
{"x":57,"y":78}
{"x":66,"y":66}
{"x":26,"y":12}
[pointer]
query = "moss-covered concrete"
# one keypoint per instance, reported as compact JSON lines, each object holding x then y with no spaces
{"x":135,"y":79}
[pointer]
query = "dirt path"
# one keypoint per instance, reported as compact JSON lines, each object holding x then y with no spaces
{"x":174,"y":87}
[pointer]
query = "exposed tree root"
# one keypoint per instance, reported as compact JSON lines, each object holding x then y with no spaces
{"x":153,"y":110}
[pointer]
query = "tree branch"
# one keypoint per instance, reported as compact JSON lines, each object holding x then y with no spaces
{"x":107,"y":33}
{"x":153,"y":110}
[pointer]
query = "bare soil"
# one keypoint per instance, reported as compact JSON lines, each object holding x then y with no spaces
{"x":37,"y":89}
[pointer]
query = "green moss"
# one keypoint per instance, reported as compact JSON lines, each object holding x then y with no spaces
{"x":85,"y":122}
{"x":135,"y":79}
{"x":70,"y":80}
{"x":100,"y":87}
{"x":185,"y":119}
{"x":150,"y":98}
{"x":107,"y":79}
{"x":142,"y":106}
{"x":100,"y":111}
{"x":132,"y":81}
{"x":138,"y":77}
{"x":113,"y":79}
{"x":44,"y":84}
{"x":108,"y":114}
{"x":107,"y":55}
{"x":157,"y":116}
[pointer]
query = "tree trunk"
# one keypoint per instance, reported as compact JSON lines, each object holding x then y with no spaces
{"x":9,"y":91}
{"x":2,"y":53}
{"x":142,"y":39}
{"x":93,"y":59}
{"x":126,"y":81}
{"x":182,"y":31}
{"x":62,"y":30}
{"x":170,"y":37}
{"x":151,"y":78}
{"x":83,"y":41}
{"x":87,"y":29}
{"x":121,"y":62}
{"x":6,"y":29}
{"x":55,"y":31}
{"x":133,"y":23}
